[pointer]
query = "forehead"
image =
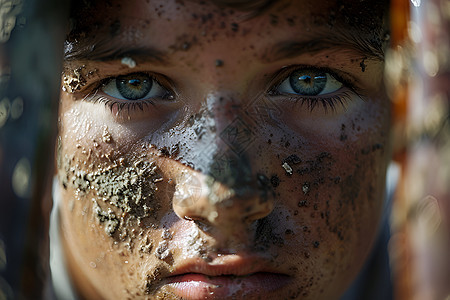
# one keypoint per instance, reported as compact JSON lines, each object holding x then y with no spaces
{"x":116,"y":19}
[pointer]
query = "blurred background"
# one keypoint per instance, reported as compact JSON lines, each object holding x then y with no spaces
{"x":31,"y":47}
{"x":417,"y":79}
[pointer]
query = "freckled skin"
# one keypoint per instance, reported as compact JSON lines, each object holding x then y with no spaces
{"x":218,"y":186}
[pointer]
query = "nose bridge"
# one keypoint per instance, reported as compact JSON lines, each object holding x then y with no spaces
{"x":225,"y":132}
{"x":226,"y":106}
{"x":224,"y":189}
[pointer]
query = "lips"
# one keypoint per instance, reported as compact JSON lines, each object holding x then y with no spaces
{"x":229,"y":277}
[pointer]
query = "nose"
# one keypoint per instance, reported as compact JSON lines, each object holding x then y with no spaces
{"x":228,"y":208}
{"x":223,"y":190}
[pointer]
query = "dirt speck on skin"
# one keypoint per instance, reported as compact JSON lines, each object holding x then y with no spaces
{"x":106,"y":136}
{"x":184,"y":42}
{"x":306,"y":187}
{"x":162,"y":252}
{"x":129,"y":62}
{"x":108,"y":218}
{"x":197,"y":245}
{"x":219,"y":63}
{"x":171,"y":152}
{"x":166,"y":235}
{"x":275,"y":181}
{"x":322,"y":161}
{"x":74,"y":80}
{"x":287,"y":168}
{"x":292,"y":159}
{"x":303,"y":203}
{"x":146,"y":246}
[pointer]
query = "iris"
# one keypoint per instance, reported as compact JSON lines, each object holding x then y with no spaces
{"x":308,"y":83}
{"x":134,"y":86}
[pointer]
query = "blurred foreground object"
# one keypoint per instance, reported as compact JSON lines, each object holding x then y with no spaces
{"x":31,"y":39}
{"x":419,"y":64}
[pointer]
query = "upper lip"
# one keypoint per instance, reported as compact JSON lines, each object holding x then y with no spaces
{"x":230,"y":264}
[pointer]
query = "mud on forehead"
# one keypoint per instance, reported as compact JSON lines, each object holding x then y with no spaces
{"x":100,"y":16}
{"x":91,"y":15}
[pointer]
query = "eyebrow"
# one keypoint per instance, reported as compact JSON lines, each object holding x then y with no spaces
{"x":365,"y":44}
{"x":110,"y":51}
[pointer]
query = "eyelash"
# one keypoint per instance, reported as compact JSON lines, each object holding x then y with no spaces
{"x":328,"y":102}
{"x":111,"y":103}
{"x":340,"y":98}
{"x":130,"y":106}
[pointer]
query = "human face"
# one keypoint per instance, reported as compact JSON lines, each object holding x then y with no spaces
{"x":211,"y":153}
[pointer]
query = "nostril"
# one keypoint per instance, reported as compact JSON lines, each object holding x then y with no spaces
{"x":197,"y":220}
{"x":210,"y":202}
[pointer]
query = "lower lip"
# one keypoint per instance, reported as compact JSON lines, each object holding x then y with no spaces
{"x":199,"y":286}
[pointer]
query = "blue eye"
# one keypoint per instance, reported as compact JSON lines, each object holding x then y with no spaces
{"x":136,"y":86}
{"x":309,"y":82}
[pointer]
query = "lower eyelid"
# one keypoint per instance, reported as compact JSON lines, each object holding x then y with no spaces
{"x":275,"y":93}
{"x":331,"y":102}
{"x":117,"y":107}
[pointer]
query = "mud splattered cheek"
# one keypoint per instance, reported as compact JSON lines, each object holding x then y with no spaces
{"x":119,"y":196}
{"x":110,"y":216}
{"x":112,"y":197}
{"x":334,"y":192}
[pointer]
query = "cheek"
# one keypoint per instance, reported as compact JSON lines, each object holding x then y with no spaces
{"x":330,"y":187}
{"x":112,"y":204}
{"x":89,"y":135}
{"x":111,"y":222}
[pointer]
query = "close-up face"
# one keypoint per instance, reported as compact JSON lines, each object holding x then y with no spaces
{"x":213,"y":152}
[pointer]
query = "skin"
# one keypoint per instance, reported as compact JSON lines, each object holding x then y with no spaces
{"x":297,"y":190}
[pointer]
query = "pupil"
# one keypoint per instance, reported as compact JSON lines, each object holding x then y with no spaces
{"x":134,"y":82}
{"x":305,"y":78}
{"x":308,"y":82}
{"x":134,"y":86}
